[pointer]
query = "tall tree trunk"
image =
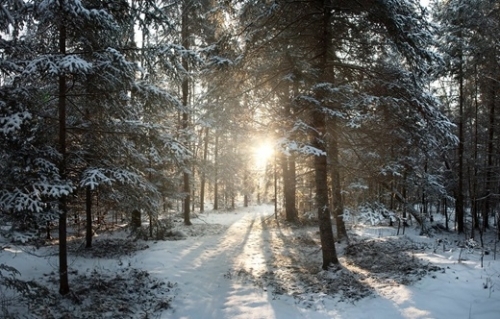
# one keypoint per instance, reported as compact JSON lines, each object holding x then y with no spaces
{"x":321,"y":183}
{"x":193,"y":189}
{"x":459,"y":196}
{"x":275,"y":176}
{"x":88,"y":222}
{"x":246,"y":188}
{"x":288,"y":162}
{"x":203,"y":172}
{"x":289,"y":186}
{"x":185,"y":114}
{"x":473,"y":201}
{"x":474,"y":178}
{"x":216,"y":177}
{"x":446,"y":216}
{"x":63,"y":249}
{"x":490,"y":183}
{"x":318,"y":142}
{"x":337,"y":205}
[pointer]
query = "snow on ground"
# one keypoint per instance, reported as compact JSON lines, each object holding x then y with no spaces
{"x":244,"y":264}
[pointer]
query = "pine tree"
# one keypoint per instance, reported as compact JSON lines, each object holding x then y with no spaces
{"x":468,"y":30}
{"x":345,"y":86}
{"x":93,"y":123}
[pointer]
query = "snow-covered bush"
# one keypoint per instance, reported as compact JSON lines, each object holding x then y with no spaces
{"x":374,"y":214}
{"x":162,"y":229}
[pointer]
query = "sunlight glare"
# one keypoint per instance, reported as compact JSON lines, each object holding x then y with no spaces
{"x":262,"y":154}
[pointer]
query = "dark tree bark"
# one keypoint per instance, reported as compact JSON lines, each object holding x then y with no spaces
{"x":63,"y":249}
{"x":321,"y":183}
{"x":319,"y":142}
{"x":288,"y":161}
{"x":403,"y":192}
{"x":216,"y":177}
{"x":289,"y":186}
{"x":446,"y":216}
{"x":48,"y":236}
{"x":337,"y":204}
{"x":245,"y":184}
{"x":474,"y":176}
{"x":490,"y":182}
{"x":203,"y":173}
{"x":459,"y":196}
{"x":88,"y":223}
{"x":185,"y":113}
{"x":136,"y":219}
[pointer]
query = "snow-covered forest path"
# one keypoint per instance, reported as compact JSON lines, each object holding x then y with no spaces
{"x":237,"y":272}
{"x":235,"y":265}
{"x":209,"y":266}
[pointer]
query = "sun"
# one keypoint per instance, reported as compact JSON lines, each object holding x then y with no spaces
{"x":262,"y":154}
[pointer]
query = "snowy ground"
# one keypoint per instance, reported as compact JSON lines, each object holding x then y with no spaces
{"x":244,"y":264}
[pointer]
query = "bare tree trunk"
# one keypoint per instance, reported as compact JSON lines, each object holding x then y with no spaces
{"x":246,"y":188}
{"x":446,"y":216}
{"x":459,"y":196}
{"x":275,"y":176}
{"x":474,"y":178}
{"x":321,"y":171}
{"x":203,"y":173}
{"x":185,"y":114}
{"x":216,"y":177}
{"x":88,"y":223}
{"x":63,"y":249}
{"x":318,"y":142}
{"x":490,"y":183}
{"x":337,"y":205}
{"x":403,"y":192}
{"x":289,"y":186}
{"x":288,"y":162}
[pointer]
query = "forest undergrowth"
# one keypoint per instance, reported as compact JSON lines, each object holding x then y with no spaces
{"x":366,"y":264}
{"x":371,"y":260}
